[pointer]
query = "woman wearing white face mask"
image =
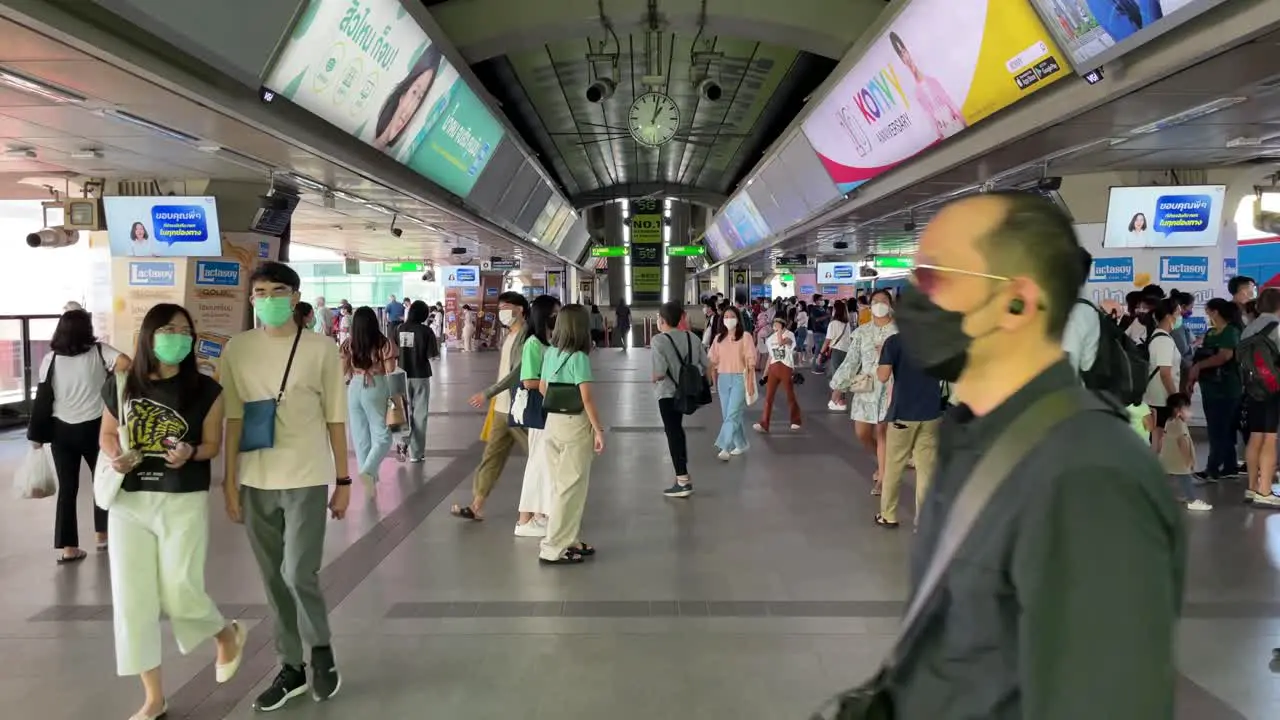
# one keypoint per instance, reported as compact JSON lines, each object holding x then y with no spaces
{"x":869,"y":403}
{"x":469,"y":327}
{"x":733,"y":365}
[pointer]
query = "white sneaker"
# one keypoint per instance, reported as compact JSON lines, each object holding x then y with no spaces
{"x":1250,"y":496}
{"x":531,"y":529}
{"x":723,"y":455}
{"x":758,"y":428}
{"x":836,"y":407}
{"x":370,"y":484}
{"x":738,"y":451}
{"x":1199,"y":505}
{"x":794,"y":426}
{"x":224,"y":672}
{"x":1270,"y":501}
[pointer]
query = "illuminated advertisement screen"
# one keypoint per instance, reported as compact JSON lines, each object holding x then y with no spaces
{"x":1094,"y":32}
{"x":748,"y":227}
{"x":168,"y":226}
{"x":1164,"y":216}
{"x":837,"y":273}
{"x":941,"y":66}
{"x":368,"y":68}
{"x":717,"y":244}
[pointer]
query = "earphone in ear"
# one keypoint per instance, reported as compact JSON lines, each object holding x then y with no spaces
{"x":1016,"y":306}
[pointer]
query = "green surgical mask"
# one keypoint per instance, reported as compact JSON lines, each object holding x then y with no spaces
{"x":273,"y":311}
{"x":1177,"y":322}
{"x":171,"y":348}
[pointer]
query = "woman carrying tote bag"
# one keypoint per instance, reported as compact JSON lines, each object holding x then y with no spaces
{"x":159,"y":520}
{"x":535,"y":494}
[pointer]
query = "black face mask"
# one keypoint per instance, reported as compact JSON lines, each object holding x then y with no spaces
{"x":932,"y":337}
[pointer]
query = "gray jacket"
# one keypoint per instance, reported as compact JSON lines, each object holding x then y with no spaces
{"x":508,"y":381}
{"x":668,"y":349}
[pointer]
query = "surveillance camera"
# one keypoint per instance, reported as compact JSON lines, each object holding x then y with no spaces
{"x":54,"y":237}
{"x":429,"y":276}
{"x":601,"y":90}
{"x":840,"y":245}
{"x":710,"y":90}
{"x":396,"y":232}
{"x":909,"y":226}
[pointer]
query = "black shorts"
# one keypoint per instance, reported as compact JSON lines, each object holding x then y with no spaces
{"x":1262,"y":416}
{"x":1162,"y":416}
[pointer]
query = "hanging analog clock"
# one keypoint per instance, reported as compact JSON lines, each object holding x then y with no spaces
{"x":654,"y":119}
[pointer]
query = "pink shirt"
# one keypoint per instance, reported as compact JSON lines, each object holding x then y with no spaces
{"x":732,"y":357}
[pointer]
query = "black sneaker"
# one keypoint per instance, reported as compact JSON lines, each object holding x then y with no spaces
{"x":325,"y":680}
{"x":289,"y":684}
{"x":679,"y":490}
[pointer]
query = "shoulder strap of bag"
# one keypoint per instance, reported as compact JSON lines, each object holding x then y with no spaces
{"x":122,"y":410}
{"x":289,"y":365}
{"x":1023,"y":434}
{"x":101,"y":358}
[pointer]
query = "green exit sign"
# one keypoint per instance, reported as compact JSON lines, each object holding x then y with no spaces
{"x":897,"y":262}
{"x":609,"y":251}
{"x":788,"y":277}
{"x":685,"y":250}
{"x":402,"y":267}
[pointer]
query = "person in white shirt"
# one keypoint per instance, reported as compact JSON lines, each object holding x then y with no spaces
{"x":1080,"y":336}
{"x":781,"y":347}
{"x":286,"y":442}
{"x":74,"y":373}
{"x":324,"y":318}
{"x":839,"y":335}
{"x":1165,"y":368}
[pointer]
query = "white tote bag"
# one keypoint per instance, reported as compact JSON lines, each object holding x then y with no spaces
{"x":106,"y":479}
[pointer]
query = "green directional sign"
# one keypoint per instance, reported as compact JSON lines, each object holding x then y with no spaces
{"x":901,"y":262}
{"x":686,"y":250}
{"x":402,"y":267}
{"x":609,"y":251}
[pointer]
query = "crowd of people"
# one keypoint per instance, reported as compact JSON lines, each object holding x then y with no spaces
{"x":977,"y":374}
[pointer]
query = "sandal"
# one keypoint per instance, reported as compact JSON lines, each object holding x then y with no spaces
{"x":568,"y":557}
{"x":79,"y":555}
{"x":465,"y":512}
{"x":583,"y":549}
{"x":885,"y":523}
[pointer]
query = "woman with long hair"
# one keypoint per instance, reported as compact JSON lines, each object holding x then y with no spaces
{"x":304,"y":314}
{"x":159,"y":520}
{"x":733,"y":367}
{"x":74,"y":371}
{"x":857,"y":374}
{"x":418,"y":347}
{"x":535,"y":492}
{"x":468,"y":329}
{"x":839,"y":335}
{"x":367,"y":358}
{"x":573,"y":434}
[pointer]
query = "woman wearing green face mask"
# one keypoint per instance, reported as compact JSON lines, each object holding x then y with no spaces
{"x":159,"y":521}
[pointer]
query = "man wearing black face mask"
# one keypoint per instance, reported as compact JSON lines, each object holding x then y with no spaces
{"x":1063,"y":595}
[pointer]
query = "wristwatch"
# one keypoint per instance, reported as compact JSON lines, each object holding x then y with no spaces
{"x":343,"y":481}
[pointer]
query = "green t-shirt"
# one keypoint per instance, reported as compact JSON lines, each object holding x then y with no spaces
{"x":1137,"y":417}
{"x":559,"y":368}
{"x":531,"y":359}
{"x":1224,"y":380}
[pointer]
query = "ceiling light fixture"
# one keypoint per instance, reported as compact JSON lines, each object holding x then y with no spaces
{"x":86,"y":154}
{"x":348,"y":197}
{"x":152,"y":126}
{"x":414,"y":220}
{"x":208,"y":148}
{"x":20,"y":154}
{"x":307,"y":183}
{"x":1187,"y":116}
{"x":38,"y":88}
{"x":380,"y":208}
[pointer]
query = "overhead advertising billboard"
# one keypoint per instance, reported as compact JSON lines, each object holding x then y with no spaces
{"x":460,"y":275}
{"x":837,"y":273}
{"x":941,"y":66}
{"x":1095,"y":32}
{"x":743,"y":221}
{"x":168,"y":226}
{"x":1167,"y":216}
{"x":367,"y":67}
{"x":646,"y":253}
{"x":717,"y":244}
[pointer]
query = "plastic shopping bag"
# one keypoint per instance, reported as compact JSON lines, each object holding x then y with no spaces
{"x":35,"y":478}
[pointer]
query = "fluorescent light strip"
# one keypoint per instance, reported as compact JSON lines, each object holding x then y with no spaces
{"x":380,"y":208}
{"x":152,"y":126}
{"x":348,"y":197}
{"x":308,"y":183}
{"x":30,"y":86}
{"x":1186,"y":116}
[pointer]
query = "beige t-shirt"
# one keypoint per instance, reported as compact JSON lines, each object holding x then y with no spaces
{"x":251,"y":369}
{"x":1171,"y":457}
{"x":502,"y":403}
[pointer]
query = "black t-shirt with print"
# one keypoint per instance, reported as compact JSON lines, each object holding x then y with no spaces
{"x":166,"y":412}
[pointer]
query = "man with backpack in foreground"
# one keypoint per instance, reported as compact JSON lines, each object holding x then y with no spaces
{"x":680,"y":367}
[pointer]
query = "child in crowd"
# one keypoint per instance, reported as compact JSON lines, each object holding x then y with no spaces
{"x":1178,"y":454}
{"x":1140,"y":420}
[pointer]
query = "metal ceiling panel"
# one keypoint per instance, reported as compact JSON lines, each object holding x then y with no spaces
{"x":496,"y":177}
{"x":517,"y":193}
{"x":539,"y":200}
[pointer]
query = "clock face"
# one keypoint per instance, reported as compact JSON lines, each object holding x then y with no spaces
{"x":654,"y":119}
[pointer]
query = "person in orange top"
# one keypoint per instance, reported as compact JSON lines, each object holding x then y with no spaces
{"x":733,"y":368}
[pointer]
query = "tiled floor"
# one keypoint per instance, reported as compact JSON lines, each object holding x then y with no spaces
{"x":766,"y":592}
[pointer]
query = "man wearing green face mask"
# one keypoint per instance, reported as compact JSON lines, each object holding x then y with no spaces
{"x":280,"y":490}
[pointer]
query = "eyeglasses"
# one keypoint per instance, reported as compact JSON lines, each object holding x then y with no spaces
{"x":927,"y":277}
{"x":173,"y":330}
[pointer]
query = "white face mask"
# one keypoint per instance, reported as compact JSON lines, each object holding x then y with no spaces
{"x":880,"y":310}
{"x":505,"y":316}
{"x":731,"y":323}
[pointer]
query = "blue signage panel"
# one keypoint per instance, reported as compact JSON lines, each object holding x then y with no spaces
{"x":1111,"y":270}
{"x":1184,"y":268}
{"x":153,"y":274}
{"x":217,"y":272}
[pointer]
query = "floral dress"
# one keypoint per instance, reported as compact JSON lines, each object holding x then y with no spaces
{"x":863,"y":359}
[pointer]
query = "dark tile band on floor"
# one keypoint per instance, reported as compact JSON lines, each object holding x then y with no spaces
{"x":203,"y":699}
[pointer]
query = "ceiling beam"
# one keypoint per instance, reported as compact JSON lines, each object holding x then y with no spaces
{"x":698,"y":196}
{"x":484,"y":29}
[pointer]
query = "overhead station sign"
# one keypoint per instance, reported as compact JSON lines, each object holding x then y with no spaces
{"x":941,"y":66}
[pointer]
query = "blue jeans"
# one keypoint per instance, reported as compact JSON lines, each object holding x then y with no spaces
{"x":819,"y":339}
{"x":733,"y":401}
{"x":367,"y":410}
{"x":1187,"y":486}
{"x":1221,"y":415}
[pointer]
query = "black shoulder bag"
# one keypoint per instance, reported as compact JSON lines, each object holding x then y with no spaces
{"x":872,"y":700}
{"x":563,"y":398}
{"x":40,"y":425}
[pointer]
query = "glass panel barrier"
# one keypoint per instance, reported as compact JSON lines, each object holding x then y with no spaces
{"x":24,"y":341}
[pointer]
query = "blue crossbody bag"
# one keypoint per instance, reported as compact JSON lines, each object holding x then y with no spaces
{"x":258,"y":428}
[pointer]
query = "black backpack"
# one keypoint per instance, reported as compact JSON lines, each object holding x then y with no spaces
{"x":692,"y":389}
{"x":1259,"y":363}
{"x":1122,"y":367}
